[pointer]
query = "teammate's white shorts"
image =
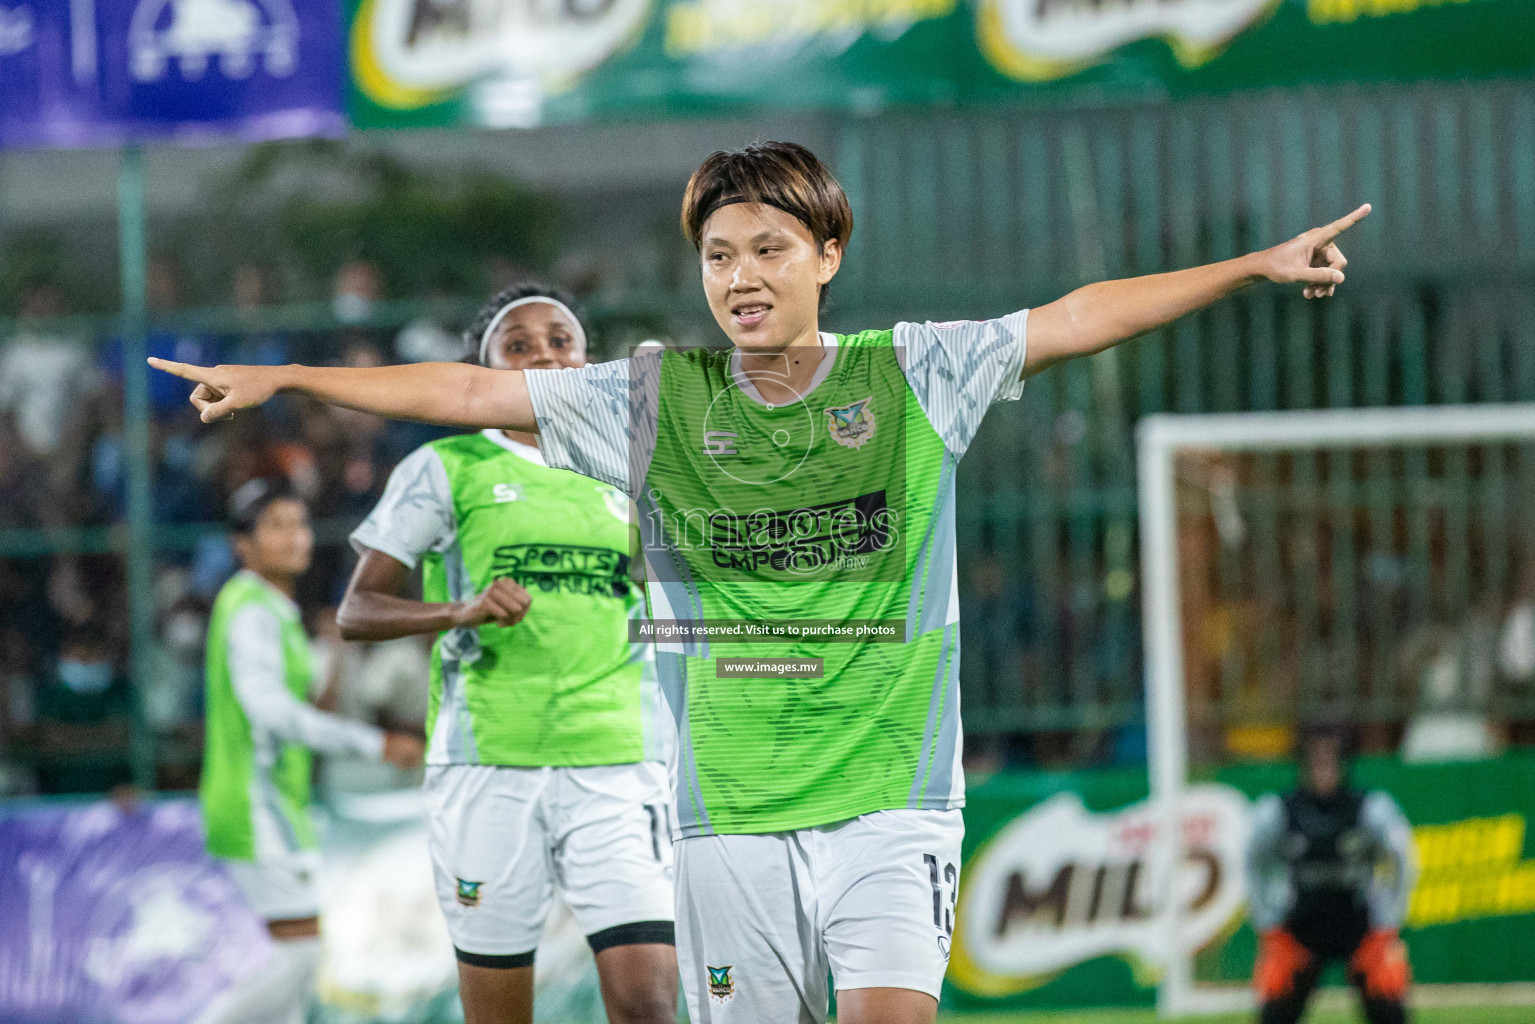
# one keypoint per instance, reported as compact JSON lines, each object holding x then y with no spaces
{"x":762,"y":919}
{"x":280,"y":887}
{"x":502,"y":837}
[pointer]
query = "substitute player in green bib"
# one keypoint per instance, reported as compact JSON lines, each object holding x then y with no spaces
{"x":259,"y":735}
{"x":548,"y":738}
{"x":793,"y":478}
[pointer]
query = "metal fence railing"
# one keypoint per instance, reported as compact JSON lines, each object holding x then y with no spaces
{"x":973,"y":215}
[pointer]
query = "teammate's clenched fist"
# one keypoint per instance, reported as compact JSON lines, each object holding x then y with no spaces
{"x":403,"y":750}
{"x":504,"y":602}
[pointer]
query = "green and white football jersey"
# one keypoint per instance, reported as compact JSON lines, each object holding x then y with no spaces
{"x":260,"y":727}
{"x":563,"y":687}
{"x":834,"y":508}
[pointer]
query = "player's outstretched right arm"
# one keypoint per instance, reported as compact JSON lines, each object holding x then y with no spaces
{"x":452,"y":394}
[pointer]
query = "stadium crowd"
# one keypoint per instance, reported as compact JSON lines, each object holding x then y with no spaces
{"x":64,"y":698}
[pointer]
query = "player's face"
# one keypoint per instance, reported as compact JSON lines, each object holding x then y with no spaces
{"x":1324,"y":767}
{"x":763,"y":273}
{"x":282,"y":542}
{"x":537,"y":336}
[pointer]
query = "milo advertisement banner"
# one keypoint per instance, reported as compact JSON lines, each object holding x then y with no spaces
{"x":1064,"y":880}
{"x":1061,"y":885}
{"x":526,"y":62}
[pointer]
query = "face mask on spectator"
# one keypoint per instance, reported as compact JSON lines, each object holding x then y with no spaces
{"x":85,"y":676}
{"x":350,"y":308}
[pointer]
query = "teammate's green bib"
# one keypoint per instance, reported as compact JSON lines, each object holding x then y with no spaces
{"x":836,"y":508}
{"x":563,"y":686}
{"x":237,"y":777}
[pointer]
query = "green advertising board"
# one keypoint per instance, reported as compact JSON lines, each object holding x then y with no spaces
{"x":500,"y":63}
{"x":1057,"y":895}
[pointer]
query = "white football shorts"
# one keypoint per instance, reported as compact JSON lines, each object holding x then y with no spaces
{"x":280,"y":887}
{"x":763,"y":919}
{"x":502,"y":838}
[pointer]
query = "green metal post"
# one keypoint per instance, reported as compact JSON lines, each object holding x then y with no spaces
{"x":133,"y":257}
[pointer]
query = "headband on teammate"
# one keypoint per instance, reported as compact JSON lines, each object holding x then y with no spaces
{"x":501,"y":313}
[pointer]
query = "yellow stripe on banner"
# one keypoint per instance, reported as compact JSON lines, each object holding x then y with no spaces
{"x":371,"y":78}
{"x":1003,"y":55}
{"x":1324,"y":12}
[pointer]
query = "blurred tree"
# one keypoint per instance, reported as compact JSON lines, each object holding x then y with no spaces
{"x":318,"y":205}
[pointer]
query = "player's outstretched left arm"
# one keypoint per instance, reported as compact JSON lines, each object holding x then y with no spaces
{"x":1100,"y":316}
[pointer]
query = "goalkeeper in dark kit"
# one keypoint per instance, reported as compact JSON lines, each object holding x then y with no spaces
{"x":1329,"y":870}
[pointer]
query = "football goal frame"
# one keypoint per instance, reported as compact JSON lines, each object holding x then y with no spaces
{"x":1160,"y":440}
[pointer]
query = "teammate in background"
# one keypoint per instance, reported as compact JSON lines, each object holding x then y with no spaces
{"x":1329,"y":873}
{"x":260,"y":732}
{"x":548,"y":738}
{"x":820,"y":816}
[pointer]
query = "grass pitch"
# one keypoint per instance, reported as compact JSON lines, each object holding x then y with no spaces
{"x":1430,"y":1015}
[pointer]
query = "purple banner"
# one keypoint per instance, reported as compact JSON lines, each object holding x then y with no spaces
{"x":116,"y":917}
{"x":105,"y":72}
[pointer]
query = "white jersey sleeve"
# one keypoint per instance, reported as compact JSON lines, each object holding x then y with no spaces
{"x":415,"y":515}
{"x":1269,"y":893}
{"x":958,"y":369}
{"x":599,"y":420}
{"x":256,"y":673}
{"x":1390,"y":889}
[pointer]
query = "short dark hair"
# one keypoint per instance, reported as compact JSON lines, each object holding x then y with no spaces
{"x":784,"y":175}
{"x":254,"y":497}
{"x":506,"y":296}
{"x":1336,"y":733}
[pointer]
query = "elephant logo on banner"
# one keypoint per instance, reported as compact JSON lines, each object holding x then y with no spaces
{"x":503,"y":56}
{"x":1041,"y":40}
{"x":239,"y":35}
{"x":1060,"y":885}
{"x":16,"y":30}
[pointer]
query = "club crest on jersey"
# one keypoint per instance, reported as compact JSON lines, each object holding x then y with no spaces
{"x":721,"y":985}
{"x":468,"y":893}
{"x":852,"y":425}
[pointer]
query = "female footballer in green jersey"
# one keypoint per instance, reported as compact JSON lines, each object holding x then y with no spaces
{"x":259,"y":736}
{"x":799,"y":476}
{"x":548,"y":741}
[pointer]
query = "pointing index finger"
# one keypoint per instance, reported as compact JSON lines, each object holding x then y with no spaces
{"x":184,"y":370}
{"x":1343,"y":223}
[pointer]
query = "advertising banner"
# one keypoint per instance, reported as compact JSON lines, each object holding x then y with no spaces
{"x":113,"y":916}
{"x":1061,"y":885}
{"x":522,"y":62}
{"x":118,"y":916}
{"x":104,"y":72}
